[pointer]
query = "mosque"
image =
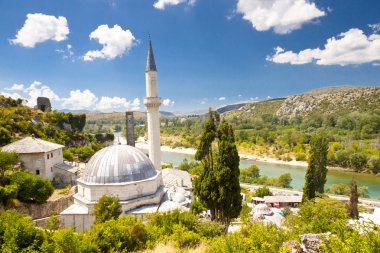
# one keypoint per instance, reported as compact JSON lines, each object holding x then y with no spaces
{"x":127,"y":173}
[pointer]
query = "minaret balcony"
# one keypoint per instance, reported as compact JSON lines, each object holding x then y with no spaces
{"x":152,"y":101}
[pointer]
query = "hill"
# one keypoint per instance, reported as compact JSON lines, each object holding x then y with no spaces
{"x":324,"y":101}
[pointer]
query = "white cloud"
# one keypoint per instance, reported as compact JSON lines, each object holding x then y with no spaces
{"x":161,"y":4}
{"x":67,"y":53}
{"x":16,"y":87}
{"x":117,"y":104}
{"x":375,"y":27}
{"x":168,"y":102}
{"x":115,"y":41}
{"x":351,"y":47}
{"x":283,"y":16}
{"x":203,"y":102}
{"x":269,"y":97}
{"x":222,"y":98}
{"x":80,"y":100}
{"x":31,"y":93}
{"x":39,"y":27}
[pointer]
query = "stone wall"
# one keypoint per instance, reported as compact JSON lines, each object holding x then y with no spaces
{"x":44,"y":210}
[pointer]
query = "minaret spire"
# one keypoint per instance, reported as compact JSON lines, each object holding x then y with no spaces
{"x":150,"y":63}
{"x":152,"y":103}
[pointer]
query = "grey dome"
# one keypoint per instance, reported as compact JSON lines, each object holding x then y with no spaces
{"x":118,"y":164}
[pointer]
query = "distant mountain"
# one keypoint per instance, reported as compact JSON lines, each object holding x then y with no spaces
{"x":325,"y":101}
{"x":169,"y":114}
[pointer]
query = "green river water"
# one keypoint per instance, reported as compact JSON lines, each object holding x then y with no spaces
{"x":297,"y":173}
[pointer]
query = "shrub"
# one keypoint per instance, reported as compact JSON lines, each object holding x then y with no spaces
{"x":209,"y":229}
{"x":32,"y":188}
{"x":68,"y":155}
{"x":183,"y":237}
{"x":107,"y":208}
{"x":262,"y":192}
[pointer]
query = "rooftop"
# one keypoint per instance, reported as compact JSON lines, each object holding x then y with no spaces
{"x":31,"y":145}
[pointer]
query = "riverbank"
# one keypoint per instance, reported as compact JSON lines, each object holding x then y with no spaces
{"x":191,"y":151}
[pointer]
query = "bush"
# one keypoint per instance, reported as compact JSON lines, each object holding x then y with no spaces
{"x":358,"y":161}
{"x":18,"y":233}
{"x":107,"y":208}
{"x":68,"y":155}
{"x":183,"y":237}
{"x":31,"y":187}
{"x":262,"y":192}
{"x":84,"y":153}
{"x":250,"y":175}
{"x":209,"y":229}
{"x":7,"y":193}
{"x":122,"y":235}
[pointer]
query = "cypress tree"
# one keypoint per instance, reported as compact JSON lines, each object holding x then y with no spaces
{"x":354,"y":200}
{"x":318,"y":160}
{"x":229,"y":199}
{"x":309,"y":187}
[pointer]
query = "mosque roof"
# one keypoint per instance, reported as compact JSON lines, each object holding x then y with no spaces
{"x":118,"y":164}
{"x":31,"y":145}
{"x":150,"y":63}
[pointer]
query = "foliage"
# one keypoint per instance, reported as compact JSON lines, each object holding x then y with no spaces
{"x":107,"y":208}
{"x":7,"y":193}
{"x":7,"y":162}
{"x":31,"y":187}
{"x":183,"y":237}
{"x":245,"y":213}
{"x":315,"y":217}
{"x":84,"y":153}
{"x":250,"y":175}
{"x":262,"y":192}
{"x":187,"y":166}
{"x":284,"y":180}
{"x":68,"y":155}
{"x":209,"y":229}
{"x":343,"y":189}
{"x":121,"y":235}
{"x":18,"y":233}
{"x":318,"y":160}
{"x":364,"y":238}
{"x":197,"y":207}
{"x":309,"y":187}
{"x":353,"y":211}
{"x":218,"y":186}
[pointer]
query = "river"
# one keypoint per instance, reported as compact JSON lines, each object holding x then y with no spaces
{"x":297,"y":173}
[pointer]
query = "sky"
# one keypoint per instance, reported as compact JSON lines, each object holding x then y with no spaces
{"x":91,"y":54}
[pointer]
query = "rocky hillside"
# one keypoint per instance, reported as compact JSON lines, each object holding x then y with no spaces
{"x":326,"y":101}
{"x":365,"y":99}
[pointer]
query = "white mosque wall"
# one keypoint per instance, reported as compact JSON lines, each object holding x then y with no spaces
{"x":124,"y":191}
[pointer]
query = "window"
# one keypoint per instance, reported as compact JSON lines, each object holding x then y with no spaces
{"x":48,"y":156}
{"x":37,"y":172}
{"x":51,"y":155}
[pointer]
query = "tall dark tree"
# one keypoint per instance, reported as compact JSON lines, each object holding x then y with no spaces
{"x":227,"y":176}
{"x":319,"y":146}
{"x":309,"y":187}
{"x":218,"y":186}
{"x":354,"y":199}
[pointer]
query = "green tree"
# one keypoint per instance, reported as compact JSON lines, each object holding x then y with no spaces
{"x":262,"y":192}
{"x":284,"y":180}
{"x":229,"y":199}
{"x":354,"y":200}
{"x":358,"y":161}
{"x":5,"y":136}
{"x":31,"y":187}
{"x":318,"y":216}
{"x":7,"y":162}
{"x":107,"y":208}
{"x":318,"y":160}
{"x":250,"y":175}
{"x":309,"y":187}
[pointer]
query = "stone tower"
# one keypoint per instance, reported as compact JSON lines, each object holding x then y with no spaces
{"x":152,"y":103}
{"x":130,"y":128}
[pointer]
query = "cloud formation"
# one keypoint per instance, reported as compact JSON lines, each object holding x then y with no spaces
{"x":39,"y":28}
{"x":351,"y":47}
{"x":222,"y":98}
{"x":115,"y":41}
{"x":375,"y":27}
{"x":161,"y":4}
{"x":283,"y":16}
{"x":77,"y":99}
{"x":168,"y":102}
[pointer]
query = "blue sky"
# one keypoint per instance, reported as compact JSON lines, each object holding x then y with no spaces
{"x":208,"y":52}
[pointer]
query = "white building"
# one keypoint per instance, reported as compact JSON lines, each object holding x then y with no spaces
{"x":42,"y":158}
{"x":126,"y":172}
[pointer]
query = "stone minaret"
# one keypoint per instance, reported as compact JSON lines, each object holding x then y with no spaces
{"x":152,"y":103}
{"x":130,"y":129}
